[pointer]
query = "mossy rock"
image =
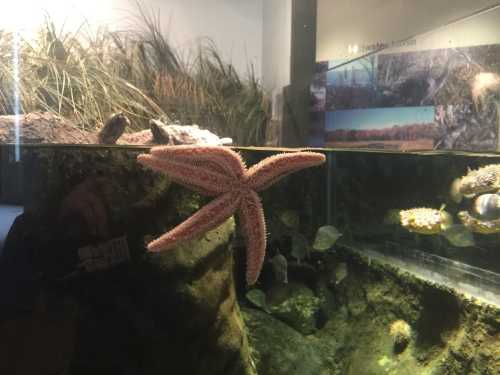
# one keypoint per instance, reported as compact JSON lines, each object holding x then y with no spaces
{"x":205,"y":334}
{"x":450,"y":334}
{"x":296,"y":305}
{"x":279,"y":349}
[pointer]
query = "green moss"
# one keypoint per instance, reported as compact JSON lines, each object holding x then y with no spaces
{"x":197,"y":278}
{"x":450,"y":334}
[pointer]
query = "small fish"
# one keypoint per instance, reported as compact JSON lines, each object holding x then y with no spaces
{"x":487,"y":207}
{"x":280,"y":268}
{"x":326,"y":237}
{"x":459,"y":236}
{"x":340,"y":272}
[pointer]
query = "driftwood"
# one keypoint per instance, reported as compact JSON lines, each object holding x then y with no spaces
{"x":44,"y":127}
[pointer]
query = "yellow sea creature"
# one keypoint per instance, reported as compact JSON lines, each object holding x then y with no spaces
{"x":487,"y":207}
{"x":477,"y":225}
{"x":425,"y":220}
{"x":483,"y":180}
{"x":400,"y":332}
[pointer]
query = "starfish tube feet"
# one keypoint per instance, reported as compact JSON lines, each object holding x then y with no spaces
{"x":253,"y":227}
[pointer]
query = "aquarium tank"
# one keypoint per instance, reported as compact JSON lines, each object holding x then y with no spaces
{"x":267,"y":187}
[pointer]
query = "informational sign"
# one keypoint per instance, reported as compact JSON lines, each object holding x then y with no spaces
{"x":104,"y":255}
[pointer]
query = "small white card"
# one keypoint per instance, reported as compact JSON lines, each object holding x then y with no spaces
{"x":104,"y":255}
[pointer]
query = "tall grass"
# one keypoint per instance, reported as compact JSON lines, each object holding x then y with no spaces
{"x":87,"y":76}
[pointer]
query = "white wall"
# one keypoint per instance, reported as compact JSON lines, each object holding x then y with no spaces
{"x":234,"y":25}
{"x":276,"y":47}
{"x":346,"y":22}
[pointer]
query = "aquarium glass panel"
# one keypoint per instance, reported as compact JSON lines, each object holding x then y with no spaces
{"x":249,"y":187}
{"x":431,"y":211}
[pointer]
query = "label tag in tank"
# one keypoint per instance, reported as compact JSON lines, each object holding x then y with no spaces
{"x":104,"y":255}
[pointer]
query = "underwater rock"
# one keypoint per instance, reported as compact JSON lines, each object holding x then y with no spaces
{"x":199,"y":309}
{"x":296,"y":305}
{"x":278,"y":349}
{"x":454,"y":335}
{"x":328,"y":303}
{"x":84,"y":202}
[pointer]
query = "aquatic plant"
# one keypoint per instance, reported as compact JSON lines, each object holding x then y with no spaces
{"x":326,"y":237}
{"x":86,"y":76}
{"x":258,"y":298}
{"x":220,"y":172}
{"x":300,"y":247}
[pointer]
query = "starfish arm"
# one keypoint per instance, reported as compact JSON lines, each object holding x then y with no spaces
{"x":253,"y":227}
{"x":216,"y":158}
{"x":268,"y":171}
{"x":198,"y":178}
{"x":207,"y":218}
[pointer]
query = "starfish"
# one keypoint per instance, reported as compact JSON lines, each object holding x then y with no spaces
{"x":221,"y":173}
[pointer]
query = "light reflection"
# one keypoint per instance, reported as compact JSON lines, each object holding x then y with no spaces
{"x":16,"y":39}
{"x":483,"y":82}
{"x":27,"y":16}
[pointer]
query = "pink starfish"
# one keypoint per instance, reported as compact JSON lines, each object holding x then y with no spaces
{"x":221,"y":172}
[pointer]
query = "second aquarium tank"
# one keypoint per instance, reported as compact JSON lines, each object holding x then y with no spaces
{"x":231,"y":187}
